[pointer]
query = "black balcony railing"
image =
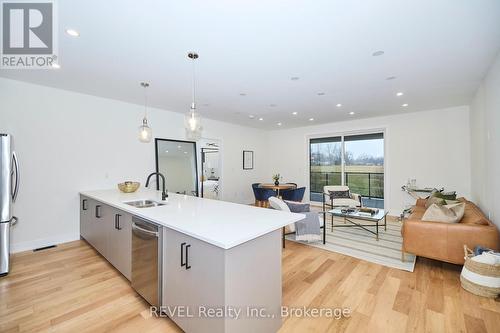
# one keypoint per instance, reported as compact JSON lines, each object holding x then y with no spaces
{"x":368,"y":184}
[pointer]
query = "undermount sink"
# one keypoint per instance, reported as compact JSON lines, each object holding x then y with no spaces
{"x":144,"y":203}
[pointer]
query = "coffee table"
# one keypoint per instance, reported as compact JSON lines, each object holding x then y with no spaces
{"x":356,"y":218}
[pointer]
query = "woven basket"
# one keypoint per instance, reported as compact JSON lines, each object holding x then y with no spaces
{"x":480,"y":278}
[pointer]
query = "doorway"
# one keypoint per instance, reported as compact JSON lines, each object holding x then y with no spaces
{"x":210,"y":182}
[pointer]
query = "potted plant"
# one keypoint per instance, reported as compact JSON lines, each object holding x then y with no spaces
{"x":276,"y":179}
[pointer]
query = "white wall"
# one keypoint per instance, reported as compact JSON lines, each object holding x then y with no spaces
{"x":431,"y":146}
{"x":69,"y":142}
{"x":485,"y":138}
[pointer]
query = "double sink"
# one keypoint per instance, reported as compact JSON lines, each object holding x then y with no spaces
{"x":144,"y":203}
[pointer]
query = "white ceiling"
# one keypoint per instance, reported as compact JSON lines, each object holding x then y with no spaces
{"x":439,"y":50}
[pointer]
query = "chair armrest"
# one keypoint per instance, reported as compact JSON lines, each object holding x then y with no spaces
{"x":356,"y":197}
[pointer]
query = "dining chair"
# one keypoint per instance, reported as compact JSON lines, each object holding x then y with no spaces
{"x":296,"y":194}
{"x":262,"y":196}
{"x":294,"y":184}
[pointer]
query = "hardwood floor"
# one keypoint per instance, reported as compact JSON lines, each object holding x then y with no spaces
{"x":72,"y":289}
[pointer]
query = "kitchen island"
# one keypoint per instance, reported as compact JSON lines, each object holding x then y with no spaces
{"x":218,"y":263}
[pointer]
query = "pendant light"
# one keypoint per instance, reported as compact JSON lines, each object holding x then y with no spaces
{"x":145,"y":132}
{"x":192,"y":120}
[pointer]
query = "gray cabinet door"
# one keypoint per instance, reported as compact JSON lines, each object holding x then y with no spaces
{"x":120,"y":242}
{"x":85,"y":217}
{"x":91,"y":226}
{"x":101,"y":223}
{"x":192,"y":279}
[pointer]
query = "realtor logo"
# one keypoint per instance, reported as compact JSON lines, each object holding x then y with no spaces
{"x":28,"y":34}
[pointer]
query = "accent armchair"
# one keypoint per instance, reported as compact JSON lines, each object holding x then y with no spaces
{"x":279,"y":204}
{"x":354,"y":200}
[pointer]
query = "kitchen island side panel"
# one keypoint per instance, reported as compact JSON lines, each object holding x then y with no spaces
{"x":253,"y":284}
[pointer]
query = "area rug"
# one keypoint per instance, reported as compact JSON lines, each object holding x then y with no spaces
{"x":358,"y":243}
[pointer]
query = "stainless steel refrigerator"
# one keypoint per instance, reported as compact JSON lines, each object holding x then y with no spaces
{"x":9,"y":187}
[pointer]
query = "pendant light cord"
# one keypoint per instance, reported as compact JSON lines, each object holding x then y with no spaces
{"x":145,"y":102}
{"x":193,"y":106}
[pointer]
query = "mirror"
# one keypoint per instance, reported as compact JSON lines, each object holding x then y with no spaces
{"x":177,"y":161}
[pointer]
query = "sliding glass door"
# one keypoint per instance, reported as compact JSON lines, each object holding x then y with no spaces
{"x":356,"y":161}
{"x":325,"y":165}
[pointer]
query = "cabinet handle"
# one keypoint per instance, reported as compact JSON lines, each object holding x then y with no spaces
{"x":117,"y":222}
{"x":182,"y":254}
{"x":98,"y":211}
{"x":84,"y":204}
{"x":187,"y":256}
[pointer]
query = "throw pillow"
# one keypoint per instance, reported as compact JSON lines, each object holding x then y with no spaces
{"x":445,"y":195}
{"x":447,"y":213}
{"x":451,"y":202}
{"x":340,"y":194}
{"x":298,"y":207}
{"x":435,"y":200}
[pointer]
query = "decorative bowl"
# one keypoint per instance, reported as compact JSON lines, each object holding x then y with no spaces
{"x":129,"y":187}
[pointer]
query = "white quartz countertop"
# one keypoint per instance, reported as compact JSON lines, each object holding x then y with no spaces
{"x":220,"y":223}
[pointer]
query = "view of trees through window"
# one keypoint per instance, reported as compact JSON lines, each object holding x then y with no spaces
{"x":363,"y":159}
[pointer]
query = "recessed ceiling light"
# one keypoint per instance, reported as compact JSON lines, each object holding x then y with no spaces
{"x":272,"y":105}
{"x":321,"y":93}
{"x":56,"y":65}
{"x":243,"y":94}
{"x":72,"y":32}
{"x":404,"y":105}
{"x":390,"y":78}
{"x":351,"y":113}
{"x":279,"y":124}
{"x":251,"y":116}
{"x":399,"y":94}
{"x":261,"y":119}
{"x":179,"y":147}
{"x":185,"y":152}
{"x":311,"y":119}
{"x":377,"y":53}
{"x":294,"y":113}
{"x":166,"y":151}
{"x":294,"y":78}
{"x":339,"y":105}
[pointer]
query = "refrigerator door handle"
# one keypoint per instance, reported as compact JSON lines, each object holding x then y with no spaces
{"x":16,"y":186}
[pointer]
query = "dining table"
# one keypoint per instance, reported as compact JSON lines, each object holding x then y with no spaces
{"x":278,"y":187}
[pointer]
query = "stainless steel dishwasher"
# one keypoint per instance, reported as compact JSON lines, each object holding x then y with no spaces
{"x":147,"y":260}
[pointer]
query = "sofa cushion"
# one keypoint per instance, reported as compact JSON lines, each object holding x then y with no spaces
{"x":346,"y":203}
{"x":473,"y":215}
{"x":445,"y":195}
{"x":447,"y":213}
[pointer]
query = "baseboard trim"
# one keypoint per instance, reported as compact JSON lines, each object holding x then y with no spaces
{"x":38,"y":243}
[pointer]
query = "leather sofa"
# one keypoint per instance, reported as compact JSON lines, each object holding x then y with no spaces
{"x":445,"y":241}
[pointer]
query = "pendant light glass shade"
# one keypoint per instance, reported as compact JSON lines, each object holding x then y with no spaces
{"x":192,"y":119}
{"x":145,"y":132}
{"x":192,"y":123}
